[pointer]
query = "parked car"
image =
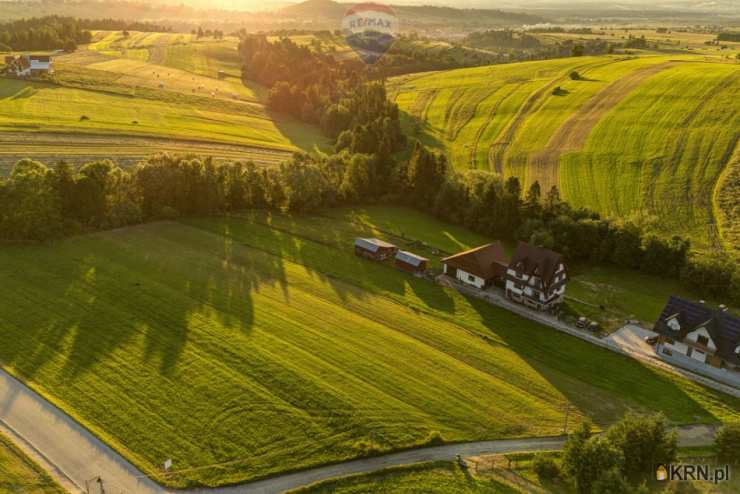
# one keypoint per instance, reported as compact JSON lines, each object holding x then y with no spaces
{"x":582,"y":322}
{"x":651,"y":340}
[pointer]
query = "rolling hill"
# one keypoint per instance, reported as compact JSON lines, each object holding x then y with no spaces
{"x":126,"y":97}
{"x":643,"y":138}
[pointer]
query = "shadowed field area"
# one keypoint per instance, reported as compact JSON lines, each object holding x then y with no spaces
{"x":245,"y":347}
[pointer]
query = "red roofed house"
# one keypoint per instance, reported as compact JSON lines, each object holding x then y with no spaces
{"x":479,"y":267}
{"x":536,"y":277}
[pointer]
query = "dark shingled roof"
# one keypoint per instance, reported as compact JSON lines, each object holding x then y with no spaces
{"x":529,"y":259}
{"x":486,"y":262}
{"x":723,"y":327}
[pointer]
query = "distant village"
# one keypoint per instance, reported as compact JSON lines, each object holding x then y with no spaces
{"x":687,"y":334}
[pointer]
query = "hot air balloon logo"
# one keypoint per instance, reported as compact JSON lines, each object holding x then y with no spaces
{"x":661,"y":473}
{"x":370,"y":29}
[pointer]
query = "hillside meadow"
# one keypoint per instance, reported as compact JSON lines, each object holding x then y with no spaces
{"x":160,"y":88}
{"x":641,"y":138}
{"x":187,"y":339}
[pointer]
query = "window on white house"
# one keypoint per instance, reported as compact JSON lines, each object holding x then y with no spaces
{"x":702,"y":340}
{"x":471,"y":278}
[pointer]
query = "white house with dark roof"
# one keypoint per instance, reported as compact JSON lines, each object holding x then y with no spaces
{"x":695,"y":330}
{"x":536,"y":277}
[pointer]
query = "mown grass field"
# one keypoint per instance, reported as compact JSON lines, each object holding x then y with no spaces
{"x":149,"y":85}
{"x":19,"y":474}
{"x":245,"y":347}
{"x":643,"y":138}
{"x":431,"y":478}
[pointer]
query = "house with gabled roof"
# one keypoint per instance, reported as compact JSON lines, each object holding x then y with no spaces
{"x":536,"y":277}
{"x":480,"y":267}
{"x":702,"y":333}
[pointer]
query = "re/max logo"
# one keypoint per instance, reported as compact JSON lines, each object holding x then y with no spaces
{"x":703,"y":473}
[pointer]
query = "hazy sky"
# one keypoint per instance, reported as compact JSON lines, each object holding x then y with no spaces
{"x":260,"y":5}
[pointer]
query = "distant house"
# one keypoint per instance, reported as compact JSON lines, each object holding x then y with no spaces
{"x":704,"y":334}
{"x":29,"y":65}
{"x":480,"y":267}
{"x":410,"y":262}
{"x":372,"y":248}
{"x":536,"y":277}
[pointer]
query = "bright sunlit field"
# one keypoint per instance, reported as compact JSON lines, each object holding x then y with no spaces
{"x":641,"y":138}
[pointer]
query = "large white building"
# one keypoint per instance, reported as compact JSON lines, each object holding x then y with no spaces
{"x":536,"y":277}
{"x":695,"y":330}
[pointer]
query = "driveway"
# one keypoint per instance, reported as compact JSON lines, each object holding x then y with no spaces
{"x":632,"y":338}
{"x":76,"y":456}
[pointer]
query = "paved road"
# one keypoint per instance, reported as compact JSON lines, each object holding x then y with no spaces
{"x":44,"y":430}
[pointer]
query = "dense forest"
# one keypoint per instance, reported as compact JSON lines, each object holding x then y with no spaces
{"x":337,"y":95}
{"x":45,"y":33}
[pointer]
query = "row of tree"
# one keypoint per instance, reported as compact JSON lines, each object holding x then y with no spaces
{"x":46,"y":33}
{"x":38,"y":203}
{"x":57,"y":33}
{"x":624,"y":459}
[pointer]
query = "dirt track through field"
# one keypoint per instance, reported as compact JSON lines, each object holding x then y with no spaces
{"x":126,"y":150}
{"x":574,"y":133}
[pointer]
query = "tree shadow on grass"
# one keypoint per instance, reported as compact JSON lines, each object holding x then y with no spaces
{"x":598,"y":383}
{"x":158,"y":282}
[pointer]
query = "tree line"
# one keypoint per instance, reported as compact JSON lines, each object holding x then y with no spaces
{"x":39,"y":203}
{"x":44,"y":33}
{"x":57,"y":33}
{"x":501,"y":209}
{"x":624,"y":459}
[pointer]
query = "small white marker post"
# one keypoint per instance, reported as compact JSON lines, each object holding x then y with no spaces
{"x":167,"y":464}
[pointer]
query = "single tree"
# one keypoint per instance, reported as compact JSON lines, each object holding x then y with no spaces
{"x":727,"y":443}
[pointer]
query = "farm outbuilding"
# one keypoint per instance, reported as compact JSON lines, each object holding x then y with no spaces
{"x":375,"y":249}
{"x":410,"y":262}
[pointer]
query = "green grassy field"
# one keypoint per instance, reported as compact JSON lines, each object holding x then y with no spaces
{"x":643,"y":138}
{"x":430,"y":478}
{"x":19,"y":474}
{"x":222,"y":325}
{"x":152,"y":86}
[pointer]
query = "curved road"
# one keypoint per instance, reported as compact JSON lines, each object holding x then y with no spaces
{"x":75,"y":456}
